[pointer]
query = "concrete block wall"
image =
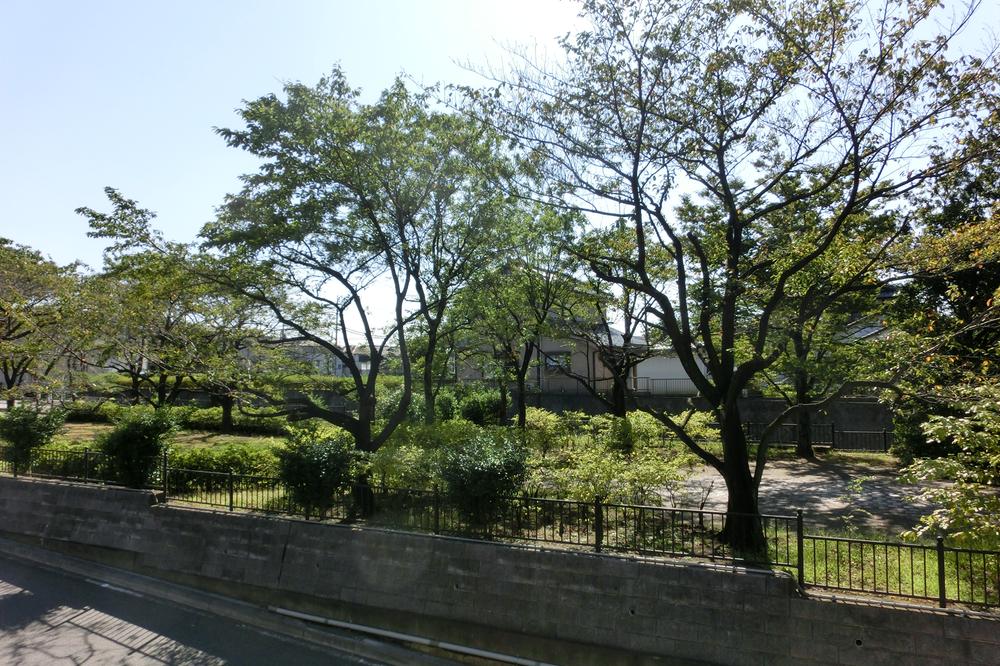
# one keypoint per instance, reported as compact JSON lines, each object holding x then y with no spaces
{"x":561,"y":607}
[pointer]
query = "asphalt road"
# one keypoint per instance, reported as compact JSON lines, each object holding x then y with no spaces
{"x":53,"y":619}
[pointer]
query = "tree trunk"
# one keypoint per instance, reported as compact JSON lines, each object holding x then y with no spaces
{"x":504,"y":398}
{"x":227,"y":402}
{"x":522,"y":406}
{"x":744,"y":529}
{"x":618,"y":405}
{"x":803,"y":442}
{"x":161,"y":391}
{"x":136,"y":394}
{"x":428,"y":379}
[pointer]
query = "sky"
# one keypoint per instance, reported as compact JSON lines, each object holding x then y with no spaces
{"x":126,"y":94}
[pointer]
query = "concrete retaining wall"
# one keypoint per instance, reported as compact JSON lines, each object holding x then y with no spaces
{"x":561,"y":607}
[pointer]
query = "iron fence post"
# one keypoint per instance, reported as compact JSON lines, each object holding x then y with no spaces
{"x":598,"y":523}
{"x":163,"y":473}
{"x":229,"y":487}
{"x":86,"y":464}
{"x":800,"y":557}
{"x":885,"y":440}
{"x":437,"y":510}
{"x":833,"y":435}
{"x":942,"y":592}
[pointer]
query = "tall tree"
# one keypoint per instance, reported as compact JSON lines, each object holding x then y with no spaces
{"x":764,"y":108}
{"x":356,"y":207}
{"x":35,"y":296}
{"x":516,"y":298}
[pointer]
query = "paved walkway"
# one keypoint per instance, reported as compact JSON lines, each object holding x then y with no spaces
{"x":834,"y":494}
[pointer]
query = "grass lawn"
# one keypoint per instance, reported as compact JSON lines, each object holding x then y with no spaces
{"x":77,"y":434}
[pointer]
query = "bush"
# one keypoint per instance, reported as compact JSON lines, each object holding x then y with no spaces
{"x":412,"y":456}
{"x":483,"y":407}
{"x":83,"y":411}
{"x":446,"y":405}
{"x":315,"y":465}
{"x":135,"y":445}
{"x":482,"y":474}
{"x":545,"y":430}
{"x":25,"y":430}
{"x":909,"y":441}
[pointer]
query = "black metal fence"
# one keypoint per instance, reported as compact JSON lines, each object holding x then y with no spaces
{"x":823,"y":434}
{"x":904,"y":570}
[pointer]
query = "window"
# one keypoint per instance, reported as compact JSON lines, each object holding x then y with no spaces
{"x":556,"y":360}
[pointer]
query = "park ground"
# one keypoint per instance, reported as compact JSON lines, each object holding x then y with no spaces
{"x":840,"y":492}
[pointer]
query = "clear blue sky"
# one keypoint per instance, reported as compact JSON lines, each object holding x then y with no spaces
{"x":126,"y":93}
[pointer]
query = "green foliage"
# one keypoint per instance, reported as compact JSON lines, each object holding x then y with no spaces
{"x":135,"y":446}
{"x":482,"y":406}
{"x":315,"y":465}
{"x":483,"y":473}
{"x":236,"y":458}
{"x":25,"y":430}
{"x":39,"y":318}
{"x":84,"y":411}
{"x":545,"y":430}
{"x":186,"y":417}
{"x":412,"y":457}
{"x":910,"y":442}
{"x":585,"y":470}
{"x":446,"y":404}
{"x":621,"y":460}
{"x":969,"y":507}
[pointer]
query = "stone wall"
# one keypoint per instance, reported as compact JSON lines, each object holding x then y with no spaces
{"x":559,"y":607}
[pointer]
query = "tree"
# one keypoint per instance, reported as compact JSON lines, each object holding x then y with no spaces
{"x":512,"y":304}
{"x":35,"y":295}
{"x":946,"y":315}
{"x":457,"y":228}
{"x":163,"y":321}
{"x":969,"y":508}
{"x":594,"y":316}
{"x":766,"y":109}
{"x":832,"y":318}
{"x":354,"y":208}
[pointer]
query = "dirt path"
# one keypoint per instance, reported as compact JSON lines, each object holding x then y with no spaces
{"x":834,"y":494}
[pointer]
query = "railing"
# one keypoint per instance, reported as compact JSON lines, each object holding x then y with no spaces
{"x":912,"y":571}
{"x":680,"y":386}
{"x":905,"y":570}
{"x":787,"y":434}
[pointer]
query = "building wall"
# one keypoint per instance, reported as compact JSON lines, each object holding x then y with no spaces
{"x":558,"y":607}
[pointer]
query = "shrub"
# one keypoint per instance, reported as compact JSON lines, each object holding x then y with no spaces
{"x":133,"y":448}
{"x":245,"y":459}
{"x":910,"y":442}
{"x":446,"y":405}
{"x":483,"y":407}
{"x":83,"y":411}
{"x":412,"y":456}
{"x":588,"y":470}
{"x":612,"y":433}
{"x":482,"y":474}
{"x":315,"y":465}
{"x":25,"y":430}
{"x":545,"y":430}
